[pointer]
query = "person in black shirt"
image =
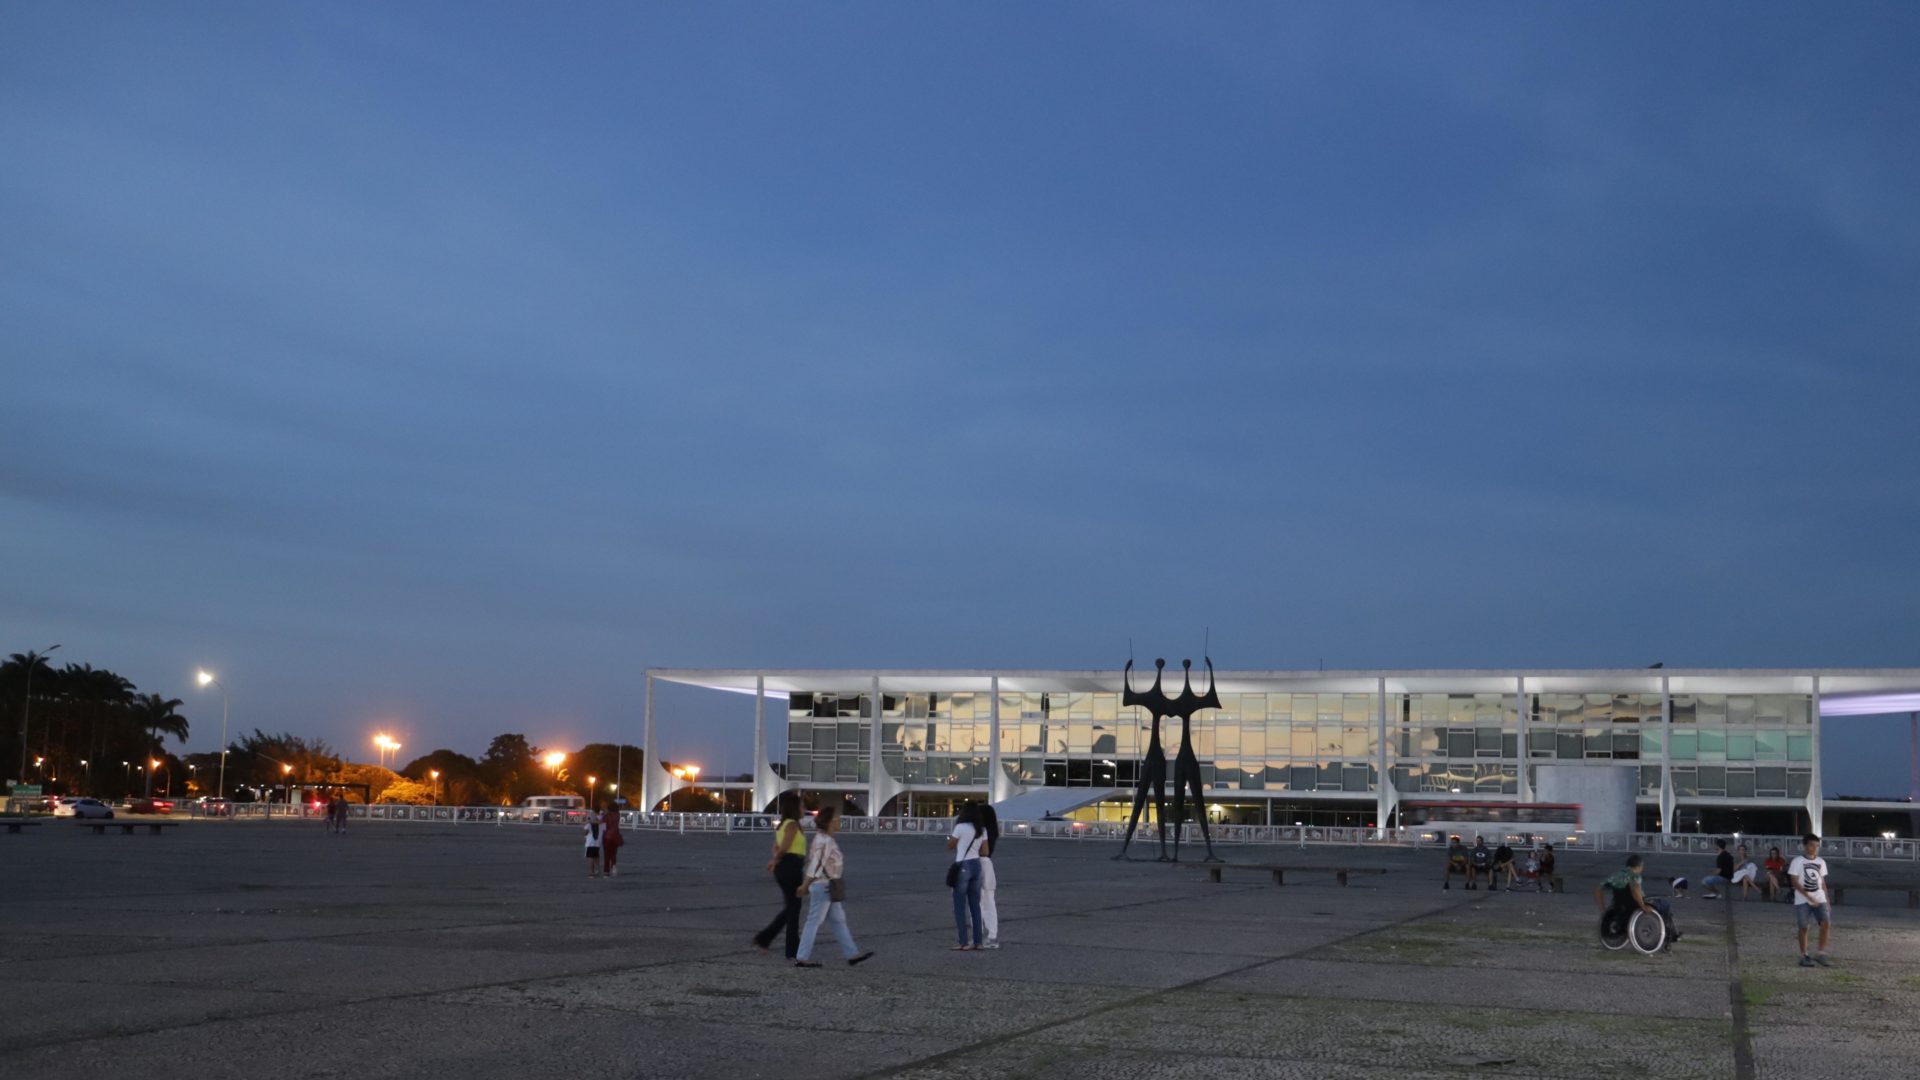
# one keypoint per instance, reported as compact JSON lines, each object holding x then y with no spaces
{"x":1479,"y":862}
{"x":1722,"y":874}
{"x":1502,"y":864}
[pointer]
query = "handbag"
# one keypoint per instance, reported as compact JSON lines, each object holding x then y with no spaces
{"x":836,"y":889}
{"x":953,"y":868}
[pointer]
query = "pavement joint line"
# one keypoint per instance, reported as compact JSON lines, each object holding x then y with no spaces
{"x":1130,"y":1002}
{"x":1737,"y":999}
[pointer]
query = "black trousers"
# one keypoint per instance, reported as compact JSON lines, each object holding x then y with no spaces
{"x":788,"y":873}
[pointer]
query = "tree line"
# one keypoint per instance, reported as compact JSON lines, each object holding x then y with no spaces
{"x":85,"y":728}
{"x":89,"y":731}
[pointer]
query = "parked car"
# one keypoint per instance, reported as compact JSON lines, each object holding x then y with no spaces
{"x":149,"y":805}
{"x":82,"y":808}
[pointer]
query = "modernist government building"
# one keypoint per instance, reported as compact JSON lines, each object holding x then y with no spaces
{"x":1712,"y":750}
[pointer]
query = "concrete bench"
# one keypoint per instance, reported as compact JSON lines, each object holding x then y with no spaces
{"x":1280,"y":872}
{"x":1840,"y":891}
{"x":14,"y":825}
{"x":101,"y":825}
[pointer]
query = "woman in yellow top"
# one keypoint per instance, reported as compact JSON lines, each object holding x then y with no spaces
{"x":788,"y":866}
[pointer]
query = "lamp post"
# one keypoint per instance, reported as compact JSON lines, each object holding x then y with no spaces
{"x":593,"y":797}
{"x":207,"y":679}
{"x":26,"y":704}
{"x":88,"y":766}
{"x":435,"y":773}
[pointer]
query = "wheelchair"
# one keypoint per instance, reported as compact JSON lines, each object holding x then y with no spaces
{"x":1648,"y":934}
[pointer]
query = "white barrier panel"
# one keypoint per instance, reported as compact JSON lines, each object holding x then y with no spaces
{"x":1689,"y":845}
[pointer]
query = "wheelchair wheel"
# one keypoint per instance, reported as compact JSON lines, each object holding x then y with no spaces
{"x":1613,"y":931}
{"x":1648,"y":932}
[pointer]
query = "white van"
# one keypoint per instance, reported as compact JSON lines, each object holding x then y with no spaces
{"x":555,"y":802}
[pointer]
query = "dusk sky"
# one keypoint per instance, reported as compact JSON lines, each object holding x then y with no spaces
{"x":438,"y":368}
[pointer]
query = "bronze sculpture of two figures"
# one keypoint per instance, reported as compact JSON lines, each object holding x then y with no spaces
{"x":1186,"y":766}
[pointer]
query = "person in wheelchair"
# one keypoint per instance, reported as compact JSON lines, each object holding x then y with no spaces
{"x":1623,"y":893}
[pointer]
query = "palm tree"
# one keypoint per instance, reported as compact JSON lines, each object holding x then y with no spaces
{"x":157,"y":715}
{"x":21,"y":674}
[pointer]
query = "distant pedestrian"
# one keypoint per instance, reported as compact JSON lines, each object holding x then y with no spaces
{"x":326,"y":813}
{"x":339,"y":809}
{"x":964,"y":876}
{"x":1722,"y":875}
{"x":788,"y":865}
{"x":824,"y":885}
{"x":1479,"y":863}
{"x":989,"y":878}
{"x":1549,"y":880}
{"x":610,"y":840}
{"x":1808,"y":871}
{"x":595,"y":833}
{"x":1456,"y":863}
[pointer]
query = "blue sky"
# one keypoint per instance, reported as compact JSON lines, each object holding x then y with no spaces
{"x":443,"y":366}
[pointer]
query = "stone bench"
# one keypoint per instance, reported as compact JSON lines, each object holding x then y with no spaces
{"x":101,"y":825}
{"x":1840,"y":891}
{"x":1280,"y":872}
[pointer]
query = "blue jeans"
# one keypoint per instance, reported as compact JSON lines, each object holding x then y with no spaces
{"x":819,"y":910}
{"x":966,"y":901}
{"x":1714,"y":881}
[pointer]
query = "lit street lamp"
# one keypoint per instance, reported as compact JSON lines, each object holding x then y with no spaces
{"x":33,"y":661}
{"x":207,"y":679}
{"x":435,"y":773}
{"x":593,"y":800}
{"x":387,"y":746}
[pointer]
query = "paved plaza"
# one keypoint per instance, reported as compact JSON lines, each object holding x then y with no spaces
{"x":407,"y":950}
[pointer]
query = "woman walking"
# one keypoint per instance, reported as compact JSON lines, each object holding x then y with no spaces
{"x":610,"y":840}
{"x":823,"y":887}
{"x":965,"y":843}
{"x":593,"y":834}
{"x":788,"y":865}
{"x":989,"y":822}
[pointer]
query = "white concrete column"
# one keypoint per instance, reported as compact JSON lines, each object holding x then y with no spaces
{"x":996,"y":774}
{"x":1816,"y":802}
{"x":651,"y":763}
{"x":1669,"y":801}
{"x":876,"y":768}
{"x":1522,"y":714}
{"x":1384,"y":795}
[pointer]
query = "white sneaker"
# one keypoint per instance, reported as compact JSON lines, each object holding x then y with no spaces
{"x":991,"y":945}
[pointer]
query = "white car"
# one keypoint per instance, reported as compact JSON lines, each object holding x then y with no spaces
{"x":85,"y":808}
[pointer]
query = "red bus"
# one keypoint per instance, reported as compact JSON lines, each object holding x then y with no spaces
{"x":1497,"y":821}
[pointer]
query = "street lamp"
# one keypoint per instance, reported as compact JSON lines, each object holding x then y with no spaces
{"x":435,"y":773}
{"x":207,"y":679}
{"x":593,"y":802}
{"x":33,"y":661}
{"x":88,"y":765}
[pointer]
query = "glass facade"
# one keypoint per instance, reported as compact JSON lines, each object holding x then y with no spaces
{"x":1280,"y":743}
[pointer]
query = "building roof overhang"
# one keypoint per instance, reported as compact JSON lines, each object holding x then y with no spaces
{"x":1843,"y":691}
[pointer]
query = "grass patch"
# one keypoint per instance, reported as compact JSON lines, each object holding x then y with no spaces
{"x":1758,"y":991}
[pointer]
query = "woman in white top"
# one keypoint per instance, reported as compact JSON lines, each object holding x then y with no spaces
{"x":593,"y":831}
{"x":825,"y":869}
{"x":967,"y":843}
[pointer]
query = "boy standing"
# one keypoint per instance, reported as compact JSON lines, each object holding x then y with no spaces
{"x":1808,"y":872}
